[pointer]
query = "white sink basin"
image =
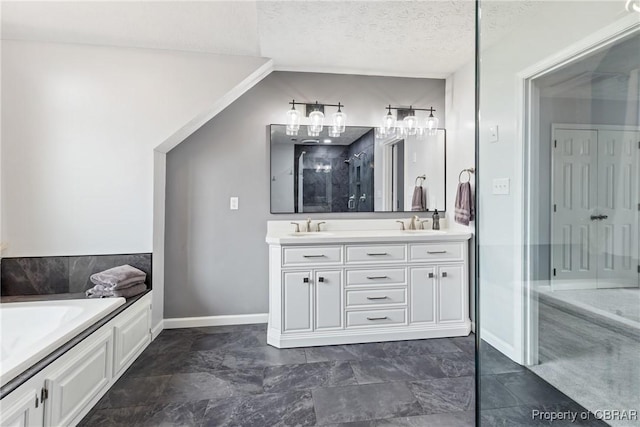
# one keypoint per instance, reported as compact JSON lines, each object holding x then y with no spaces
{"x":311,"y":234}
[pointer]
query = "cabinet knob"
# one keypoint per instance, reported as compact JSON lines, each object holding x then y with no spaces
{"x":321,"y":279}
{"x":430,"y":275}
{"x":444,"y":274}
{"x":305,"y":280}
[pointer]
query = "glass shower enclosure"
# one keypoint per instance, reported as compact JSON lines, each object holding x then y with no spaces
{"x":558,"y":269}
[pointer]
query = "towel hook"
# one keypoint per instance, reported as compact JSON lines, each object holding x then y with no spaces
{"x":421,"y":177}
{"x":469,"y":172}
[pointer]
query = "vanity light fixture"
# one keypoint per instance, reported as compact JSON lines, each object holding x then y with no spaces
{"x":432,"y":123}
{"x":409,"y":125}
{"x":293,"y":120}
{"x":316,"y":119}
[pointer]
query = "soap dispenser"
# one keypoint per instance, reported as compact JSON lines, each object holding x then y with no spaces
{"x":436,"y":220}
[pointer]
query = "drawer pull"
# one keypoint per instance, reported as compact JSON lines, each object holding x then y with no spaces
{"x":436,"y":252}
{"x":377,"y":253}
{"x":314,"y":256}
{"x":375,"y":298}
{"x":378,"y":318}
{"x":430,"y":275}
{"x":444,"y":274}
{"x":377,"y":277}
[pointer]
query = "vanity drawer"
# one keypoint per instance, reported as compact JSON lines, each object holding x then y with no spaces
{"x":312,"y":255}
{"x":376,"y":253}
{"x":383,"y":276}
{"x":389,"y":316}
{"x":437,"y":251}
{"x":376,"y":296}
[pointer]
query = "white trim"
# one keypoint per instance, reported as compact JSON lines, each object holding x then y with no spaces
{"x":502,"y":346}
{"x":220,"y":104}
{"x":357,"y":71}
{"x":526,"y":306}
{"x":233,"y":319}
{"x":155,"y":330}
{"x":473,"y":327}
{"x":364,"y":335}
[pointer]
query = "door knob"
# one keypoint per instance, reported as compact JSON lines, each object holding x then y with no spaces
{"x":599,"y":217}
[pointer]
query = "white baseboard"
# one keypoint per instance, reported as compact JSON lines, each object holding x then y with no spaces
{"x":234,"y":319}
{"x":155,"y":331}
{"x":500,"y":345}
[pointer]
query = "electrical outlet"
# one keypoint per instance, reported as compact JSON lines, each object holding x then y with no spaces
{"x":233,"y":203}
{"x":501,"y":186}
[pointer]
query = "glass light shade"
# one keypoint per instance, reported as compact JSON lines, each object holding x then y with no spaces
{"x":312,"y":133}
{"x":432,"y":125}
{"x":293,"y":121}
{"x":381,"y":133}
{"x":334,"y":132}
{"x":340,"y":121}
{"x":316,"y":121}
{"x":388,"y":122}
{"x":410,"y":125}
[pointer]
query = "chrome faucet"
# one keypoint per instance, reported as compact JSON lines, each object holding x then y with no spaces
{"x":402,"y":224}
{"x":297,"y":226}
{"x":308,"y":225}
{"x":422,"y":224}
{"x":412,"y":225}
{"x":318,"y":226}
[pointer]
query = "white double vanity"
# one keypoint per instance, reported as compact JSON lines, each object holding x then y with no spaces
{"x":360,"y":281}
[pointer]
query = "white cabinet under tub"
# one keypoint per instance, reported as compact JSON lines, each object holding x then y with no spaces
{"x":339,"y":288}
{"x":63,"y":392}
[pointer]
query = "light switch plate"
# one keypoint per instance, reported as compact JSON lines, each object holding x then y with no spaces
{"x":233,"y":203}
{"x":493,"y":133}
{"x":501,"y":186}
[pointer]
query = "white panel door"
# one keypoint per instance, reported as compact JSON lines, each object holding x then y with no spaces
{"x":23,"y":410}
{"x":297,"y":301}
{"x":451,"y":293}
{"x":575,"y":194}
{"x":618,"y":208}
{"x":328,"y":299}
{"x":422,"y":288}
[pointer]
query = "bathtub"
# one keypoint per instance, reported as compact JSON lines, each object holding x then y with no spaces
{"x":30,"y":331}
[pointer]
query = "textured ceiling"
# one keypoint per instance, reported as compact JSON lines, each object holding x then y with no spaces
{"x":422,"y":38}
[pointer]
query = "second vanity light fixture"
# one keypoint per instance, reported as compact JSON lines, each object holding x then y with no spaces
{"x":316,"y":119}
{"x":410,"y":125}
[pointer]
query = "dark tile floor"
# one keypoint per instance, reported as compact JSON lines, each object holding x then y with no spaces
{"x":228,"y":376}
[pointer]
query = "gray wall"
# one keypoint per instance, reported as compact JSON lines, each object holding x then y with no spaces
{"x":216,"y":259}
{"x":569,"y":111}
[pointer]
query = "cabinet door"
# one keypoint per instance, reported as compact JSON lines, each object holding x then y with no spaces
{"x":22,"y":410}
{"x":423,"y":295}
{"x":297,"y":301}
{"x":79,"y":381}
{"x":132,"y":334}
{"x":328,"y":299}
{"x":451,"y":295}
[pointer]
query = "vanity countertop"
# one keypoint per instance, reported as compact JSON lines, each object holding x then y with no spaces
{"x":282,"y":237}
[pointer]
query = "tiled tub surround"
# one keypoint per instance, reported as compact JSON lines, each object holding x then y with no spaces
{"x":367,"y":282}
{"x":62,"y":387}
{"x":62,"y":274}
{"x":228,"y":376}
